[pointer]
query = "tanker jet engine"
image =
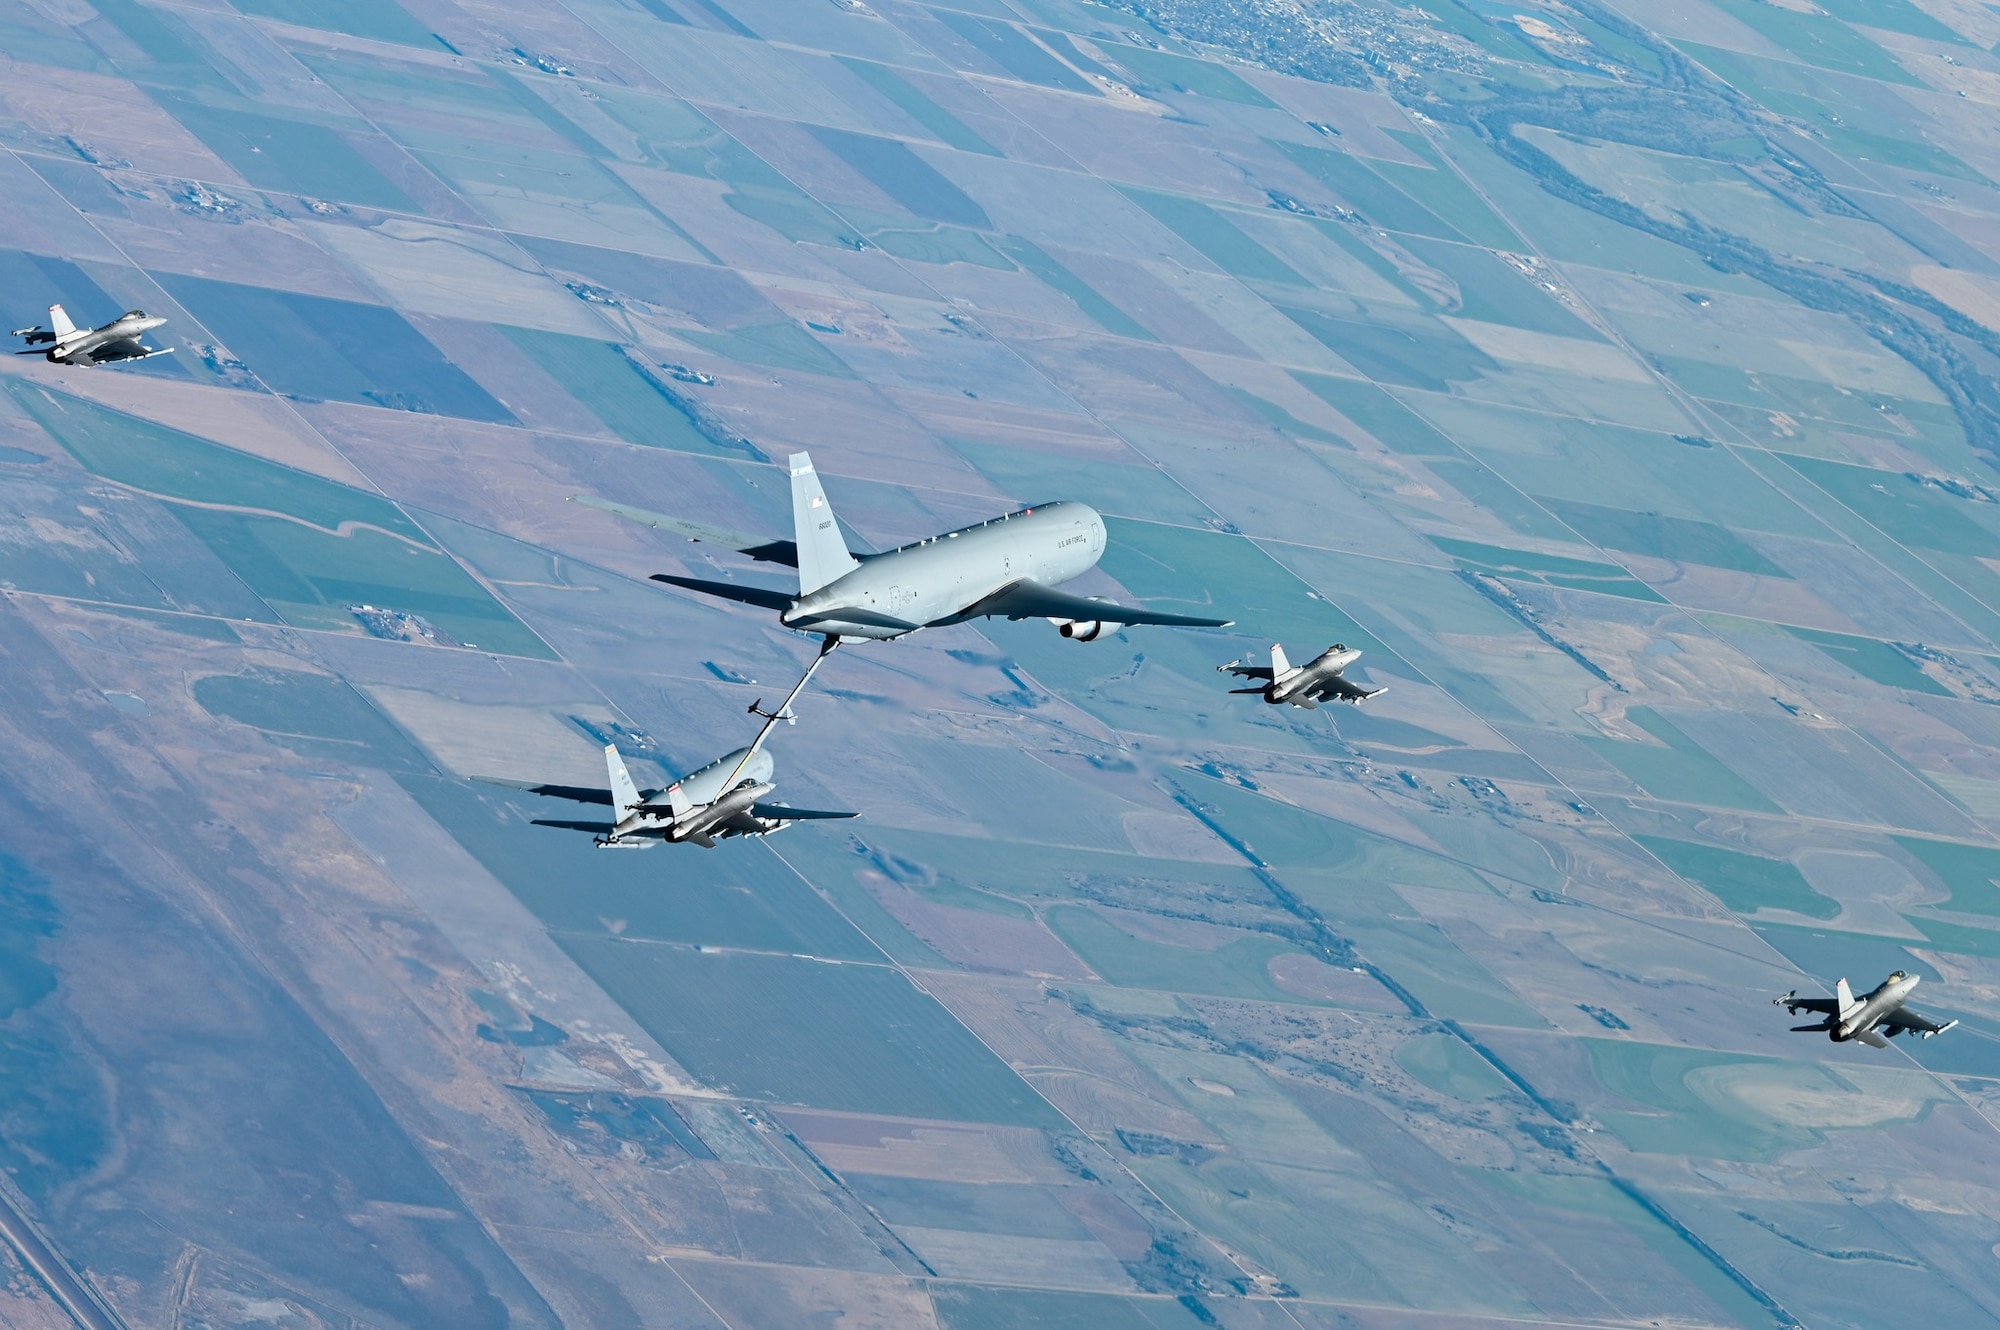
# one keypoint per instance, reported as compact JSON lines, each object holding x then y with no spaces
{"x":1869,"y":1017}
{"x":1307,"y":685}
{"x":1007,"y":567}
{"x":121,"y":339}
{"x":724,"y":799}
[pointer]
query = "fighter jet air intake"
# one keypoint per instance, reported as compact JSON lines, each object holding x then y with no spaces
{"x":1868,"y":1018}
{"x":1007,"y":567}
{"x":121,"y":339}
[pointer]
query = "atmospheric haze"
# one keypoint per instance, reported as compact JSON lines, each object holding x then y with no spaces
{"x":1610,"y":382}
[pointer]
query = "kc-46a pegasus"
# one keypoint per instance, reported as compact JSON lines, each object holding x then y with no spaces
{"x":1007,"y":567}
{"x":1868,"y":1018}
{"x":725,"y":799}
{"x":124,"y":338}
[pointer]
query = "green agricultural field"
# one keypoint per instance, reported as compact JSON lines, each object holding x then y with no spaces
{"x":912,"y":102}
{"x":1549,"y":569}
{"x":1179,"y":568}
{"x":1012,"y":49}
{"x":1450,"y":984}
{"x":311,"y":576}
{"x":1382,"y":415}
{"x":317,"y":717}
{"x":1164,"y":69}
{"x":1013,"y":1208}
{"x":1819,"y":40}
{"x":173,"y":465}
{"x":1970,"y":872}
{"x":1588,"y":1201}
{"x":290,"y":156}
{"x":168,"y":42}
{"x":1030,"y":872}
{"x":309,"y":547}
{"x":1444,"y":192}
{"x":937,"y":244}
{"x":775,"y":345}
{"x":1488,"y":490}
{"x":1661,"y":537}
{"x":1907,"y":512}
{"x":630,"y":401}
{"x":1446,"y":1064}
{"x":1238,"y":969}
{"x":1679,"y":770}
{"x":1059,"y":278}
{"x":377,"y":20}
{"x":855,"y":1038}
{"x":1280,"y":419}
{"x":399,"y":92}
{"x":1368,"y":193}
{"x":1136,"y":489}
{"x":1493,"y":292}
{"x":971,"y":1307}
{"x":1729,"y":1106}
{"x":1210,"y":231}
{"x":1395,"y":348}
{"x":891,"y":166}
{"x":1745,"y":883}
{"x":1872,"y":659}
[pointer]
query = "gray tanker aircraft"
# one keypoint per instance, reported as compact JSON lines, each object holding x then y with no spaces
{"x":1318,"y":680}
{"x":1869,"y":1017}
{"x":722,"y":800}
{"x":121,"y":339}
{"x":1007,"y":567}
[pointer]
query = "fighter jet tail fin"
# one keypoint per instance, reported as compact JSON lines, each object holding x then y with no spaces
{"x":823,"y":555}
{"x":681,"y":805}
{"x":624,"y":794}
{"x":1281,"y":664}
{"x":60,"y":324}
{"x":1845,"y":997}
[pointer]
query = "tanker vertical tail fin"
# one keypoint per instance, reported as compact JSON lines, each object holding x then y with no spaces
{"x":823,"y":555}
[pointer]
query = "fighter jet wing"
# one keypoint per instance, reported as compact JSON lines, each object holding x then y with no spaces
{"x":1237,"y":667}
{"x":1822,"y":1006}
{"x":1903,"y":1019}
{"x":1340,"y":686}
{"x":129,"y":348}
{"x":597,"y":828}
{"x":781,"y":813}
{"x":761,"y":548}
{"x":1031,"y":600}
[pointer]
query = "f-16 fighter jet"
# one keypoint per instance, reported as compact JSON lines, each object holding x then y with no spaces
{"x":121,"y":339}
{"x":1870,"y":1017}
{"x":724,"y":799}
{"x":1318,"y":680}
{"x":1007,"y":567}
